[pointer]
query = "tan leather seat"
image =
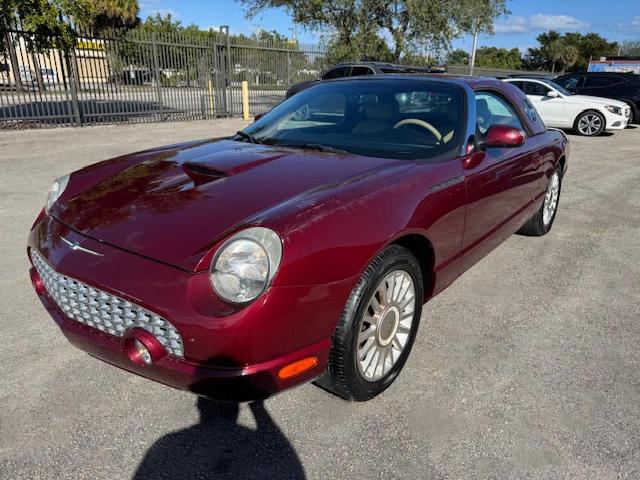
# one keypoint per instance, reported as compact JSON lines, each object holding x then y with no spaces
{"x":379,"y":117}
{"x":483,"y":115}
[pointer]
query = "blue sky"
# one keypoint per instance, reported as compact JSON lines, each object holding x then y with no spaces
{"x":615,"y":19}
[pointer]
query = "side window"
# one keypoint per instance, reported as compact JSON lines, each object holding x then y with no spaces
{"x":357,"y":71}
{"x":532,"y":113}
{"x":535,"y":88}
{"x":336,"y":73}
{"x":570,"y":83}
{"x":492,"y":109}
{"x":597,"y":81}
{"x":518,"y":84}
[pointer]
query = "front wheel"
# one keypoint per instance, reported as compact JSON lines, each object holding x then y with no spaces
{"x":542,"y":221}
{"x":590,"y":123}
{"x":377,"y":327}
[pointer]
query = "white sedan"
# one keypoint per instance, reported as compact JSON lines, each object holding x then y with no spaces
{"x":558,"y":107}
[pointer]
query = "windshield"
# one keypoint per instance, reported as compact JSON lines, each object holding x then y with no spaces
{"x":559,"y":88}
{"x":407,"y":119}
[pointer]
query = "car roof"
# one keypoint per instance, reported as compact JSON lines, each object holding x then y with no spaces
{"x":473,"y":82}
{"x":595,"y":74}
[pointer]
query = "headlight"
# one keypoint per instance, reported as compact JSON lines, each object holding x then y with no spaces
{"x":55,"y":191}
{"x":614,"y":110}
{"x":245,"y":264}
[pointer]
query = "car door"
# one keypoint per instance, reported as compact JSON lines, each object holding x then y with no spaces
{"x":501,"y":187}
{"x":551,"y":109}
{"x":600,"y":86}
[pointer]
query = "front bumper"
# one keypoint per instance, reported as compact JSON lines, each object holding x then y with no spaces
{"x":618,"y":122}
{"x":229,"y":354}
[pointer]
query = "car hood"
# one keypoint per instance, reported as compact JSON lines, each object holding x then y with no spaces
{"x":598,"y":100}
{"x":173,"y":204}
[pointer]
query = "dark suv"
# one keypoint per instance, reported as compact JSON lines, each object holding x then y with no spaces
{"x":619,"y":86}
{"x":356,"y":69}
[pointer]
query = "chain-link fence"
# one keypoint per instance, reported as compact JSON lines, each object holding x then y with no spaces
{"x":141,"y":76}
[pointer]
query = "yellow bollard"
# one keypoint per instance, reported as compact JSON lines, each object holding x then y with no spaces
{"x":245,"y":100}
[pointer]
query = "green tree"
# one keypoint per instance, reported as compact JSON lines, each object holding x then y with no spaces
{"x":494,"y":57}
{"x":588,"y":46}
{"x":413,"y":24}
{"x":458,"y":57}
{"x":569,"y":57}
{"x":554,"y":52}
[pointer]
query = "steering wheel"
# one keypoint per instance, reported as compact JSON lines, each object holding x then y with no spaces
{"x":420,"y":123}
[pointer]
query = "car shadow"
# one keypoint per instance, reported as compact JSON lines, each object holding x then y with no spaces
{"x":219,"y":448}
{"x":574,"y":134}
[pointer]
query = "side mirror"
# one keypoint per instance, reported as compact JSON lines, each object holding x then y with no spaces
{"x":258,"y":116}
{"x":503,"y":136}
{"x":552,"y":94}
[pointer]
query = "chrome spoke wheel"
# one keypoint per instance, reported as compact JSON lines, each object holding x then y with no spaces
{"x":589,"y":124}
{"x":384,"y":330}
{"x":551,"y":198}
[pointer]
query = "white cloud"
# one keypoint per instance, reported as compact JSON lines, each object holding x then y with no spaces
{"x":513,"y":25}
{"x":163,"y":12}
{"x":540,"y":21}
{"x":636,"y":22}
{"x":556,"y":22}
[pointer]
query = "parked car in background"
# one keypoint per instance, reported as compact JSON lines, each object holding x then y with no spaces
{"x":49,"y":76}
{"x":304,"y":246}
{"x":588,"y":116}
{"x":356,"y":69}
{"x":624,"y":87}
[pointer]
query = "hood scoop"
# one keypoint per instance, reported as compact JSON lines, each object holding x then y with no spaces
{"x":201,"y":173}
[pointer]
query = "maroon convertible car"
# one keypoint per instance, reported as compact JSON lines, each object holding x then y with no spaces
{"x":302,"y":247}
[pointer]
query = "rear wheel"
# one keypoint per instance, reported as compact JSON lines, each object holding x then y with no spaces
{"x":542,"y":221}
{"x":377,"y":327}
{"x":590,"y":123}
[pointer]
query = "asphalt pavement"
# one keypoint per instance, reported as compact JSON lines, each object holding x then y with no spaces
{"x":528,"y":366}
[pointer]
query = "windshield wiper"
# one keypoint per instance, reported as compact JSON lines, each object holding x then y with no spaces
{"x":313,"y":146}
{"x":247,"y":136}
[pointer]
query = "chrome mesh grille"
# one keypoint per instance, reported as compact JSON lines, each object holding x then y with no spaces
{"x":103,"y":311}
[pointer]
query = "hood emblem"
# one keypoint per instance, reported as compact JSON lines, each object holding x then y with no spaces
{"x":76,"y":246}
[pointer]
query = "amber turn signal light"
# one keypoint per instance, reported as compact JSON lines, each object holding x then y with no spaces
{"x":296,"y":368}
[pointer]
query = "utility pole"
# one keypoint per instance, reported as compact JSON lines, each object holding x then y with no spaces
{"x":472,"y":60}
{"x":294,"y":30}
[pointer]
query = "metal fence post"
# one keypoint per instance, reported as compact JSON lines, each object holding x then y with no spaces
{"x":73,"y":84}
{"x":228,"y":52}
{"x":156,"y":68}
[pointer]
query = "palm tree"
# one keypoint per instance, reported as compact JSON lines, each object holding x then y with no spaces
{"x":569,"y":56}
{"x":555,"y":52}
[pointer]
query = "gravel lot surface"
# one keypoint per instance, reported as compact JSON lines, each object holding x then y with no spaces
{"x":527,"y":367}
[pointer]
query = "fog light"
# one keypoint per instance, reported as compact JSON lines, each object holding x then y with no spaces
{"x":142,"y":347}
{"x":143,"y":352}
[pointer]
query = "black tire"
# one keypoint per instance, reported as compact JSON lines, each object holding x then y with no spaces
{"x":586,"y":115}
{"x":342,"y":376}
{"x":536,"y":225}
